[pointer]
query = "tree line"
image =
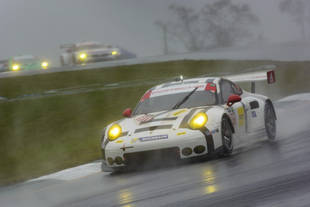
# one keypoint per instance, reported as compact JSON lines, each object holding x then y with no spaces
{"x":223,"y":23}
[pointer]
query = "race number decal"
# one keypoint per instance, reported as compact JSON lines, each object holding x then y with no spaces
{"x":241,"y":116}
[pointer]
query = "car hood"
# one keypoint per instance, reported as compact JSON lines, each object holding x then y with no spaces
{"x":173,"y":119}
{"x":99,"y":51}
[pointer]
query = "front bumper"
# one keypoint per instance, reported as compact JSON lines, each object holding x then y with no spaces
{"x":180,"y":144}
{"x":98,"y":58}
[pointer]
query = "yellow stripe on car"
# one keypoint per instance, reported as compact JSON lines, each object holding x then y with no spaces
{"x":179,"y":112}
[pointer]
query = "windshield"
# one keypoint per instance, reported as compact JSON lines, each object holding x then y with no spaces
{"x":89,"y":47}
{"x":167,"y":102}
{"x":25,"y":60}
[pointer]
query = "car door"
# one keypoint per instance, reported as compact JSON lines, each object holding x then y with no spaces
{"x":236,"y":112}
{"x":254,"y":109}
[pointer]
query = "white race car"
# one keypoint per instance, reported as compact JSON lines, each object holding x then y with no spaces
{"x":189,"y":118}
{"x":90,"y":52}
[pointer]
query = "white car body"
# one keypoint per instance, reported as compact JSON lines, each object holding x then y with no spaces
{"x":168,"y":131}
{"x":95,"y":51}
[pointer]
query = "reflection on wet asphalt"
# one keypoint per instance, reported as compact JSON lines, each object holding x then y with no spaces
{"x":259,"y":173}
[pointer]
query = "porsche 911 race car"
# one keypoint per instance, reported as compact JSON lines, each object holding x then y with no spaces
{"x":27,"y":62}
{"x":90,"y":52}
{"x":189,"y":118}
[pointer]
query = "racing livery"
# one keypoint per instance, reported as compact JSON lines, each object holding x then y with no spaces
{"x":189,"y":118}
{"x":90,"y":52}
{"x":27,"y":62}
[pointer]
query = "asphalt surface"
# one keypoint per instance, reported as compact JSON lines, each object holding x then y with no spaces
{"x":259,"y":173}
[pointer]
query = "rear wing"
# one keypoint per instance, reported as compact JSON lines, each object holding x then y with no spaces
{"x":265,"y":73}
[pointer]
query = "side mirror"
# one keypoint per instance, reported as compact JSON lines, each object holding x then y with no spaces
{"x":233,"y":99}
{"x":127,"y":112}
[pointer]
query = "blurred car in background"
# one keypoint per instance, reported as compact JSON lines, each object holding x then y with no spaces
{"x":26,"y":62}
{"x":90,"y":52}
{"x":4,"y":65}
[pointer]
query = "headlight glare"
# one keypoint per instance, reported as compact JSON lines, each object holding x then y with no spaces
{"x":198,"y":121}
{"x":44,"y":65}
{"x":114,"y":132}
{"x":114,"y":52}
{"x":83,"y":56}
{"x":15,"y":67}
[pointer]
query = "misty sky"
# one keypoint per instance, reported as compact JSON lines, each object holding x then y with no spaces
{"x":38,"y":27}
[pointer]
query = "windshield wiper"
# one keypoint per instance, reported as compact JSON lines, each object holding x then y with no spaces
{"x":184,"y":99}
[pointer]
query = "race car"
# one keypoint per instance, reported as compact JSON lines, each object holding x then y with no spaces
{"x":4,"y":65}
{"x":90,"y":52}
{"x":187,"y":119}
{"x":27,"y":62}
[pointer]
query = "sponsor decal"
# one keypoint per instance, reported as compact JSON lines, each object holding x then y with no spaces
{"x":179,"y":112}
{"x":254,"y":114}
{"x":153,"y":138}
{"x":181,"y":133}
{"x":144,"y":118}
{"x":214,"y":131}
{"x":181,"y":89}
{"x":133,"y":140}
{"x":146,"y":96}
{"x":271,"y":78}
{"x":211,"y":87}
{"x":241,"y":116}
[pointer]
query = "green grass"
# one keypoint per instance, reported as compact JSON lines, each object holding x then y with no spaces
{"x":16,"y":86}
{"x":44,"y":135}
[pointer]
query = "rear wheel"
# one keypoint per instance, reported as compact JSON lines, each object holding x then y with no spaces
{"x":227,"y":137}
{"x":270,"y":121}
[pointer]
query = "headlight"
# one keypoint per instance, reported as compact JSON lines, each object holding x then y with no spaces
{"x":15,"y":67}
{"x":44,"y":65}
{"x":114,"y":52}
{"x":198,"y":121}
{"x":114,"y":132}
{"x":83,"y":56}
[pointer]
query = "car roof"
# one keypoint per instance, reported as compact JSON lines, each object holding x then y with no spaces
{"x":187,"y":85}
{"x":24,"y":57}
{"x":192,"y":81}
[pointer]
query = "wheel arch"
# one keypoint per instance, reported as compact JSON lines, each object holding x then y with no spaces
{"x":230,"y":122}
{"x":272,"y":107}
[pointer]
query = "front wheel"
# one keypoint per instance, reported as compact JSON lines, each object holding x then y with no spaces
{"x":227,"y":137}
{"x":270,"y":121}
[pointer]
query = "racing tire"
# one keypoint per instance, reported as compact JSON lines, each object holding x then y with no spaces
{"x":270,"y":121}
{"x":227,"y":137}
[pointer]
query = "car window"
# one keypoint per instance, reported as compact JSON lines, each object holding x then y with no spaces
{"x":237,"y":89}
{"x":226,"y":90}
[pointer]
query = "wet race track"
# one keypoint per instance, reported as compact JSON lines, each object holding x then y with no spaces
{"x":260,"y":173}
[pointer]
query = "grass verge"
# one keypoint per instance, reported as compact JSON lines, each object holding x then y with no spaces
{"x":43,"y":135}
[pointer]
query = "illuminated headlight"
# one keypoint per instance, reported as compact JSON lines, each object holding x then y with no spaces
{"x":83,"y":56}
{"x":114,"y":52}
{"x":15,"y":67}
{"x":198,"y":121}
{"x":114,"y":132}
{"x":44,"y":65}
